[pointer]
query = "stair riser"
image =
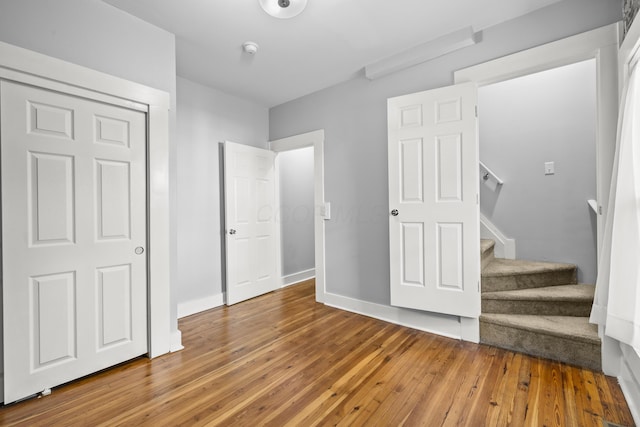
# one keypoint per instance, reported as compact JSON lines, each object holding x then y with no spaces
{"x":487,"y":257}
{"x":572,"y":352}
{"x":542,"y":308}
{"x":528,"y":281}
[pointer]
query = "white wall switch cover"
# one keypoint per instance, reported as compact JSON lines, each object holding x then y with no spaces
{"x":549,"y":168}
{"x":327,"y":210}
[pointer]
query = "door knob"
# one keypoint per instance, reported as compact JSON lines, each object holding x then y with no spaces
{"x":232,"y":231}
{"x":395,"y":212}
{"x":139,"y":250}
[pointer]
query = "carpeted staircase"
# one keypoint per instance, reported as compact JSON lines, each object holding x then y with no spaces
{"x":537,"y":308}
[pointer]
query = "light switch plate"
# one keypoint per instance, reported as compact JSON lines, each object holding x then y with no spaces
{"x":549,"y":168}
{"x":326,"y":210}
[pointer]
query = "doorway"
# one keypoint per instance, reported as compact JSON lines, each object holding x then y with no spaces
{"x":600,"y":45}
{"x":295,"y":185}
{"x":537,"y":133}
{"x":321,"y":210}
{"x":250,"y":203}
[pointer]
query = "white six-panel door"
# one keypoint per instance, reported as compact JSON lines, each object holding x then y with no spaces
{"x":250,"y":222}
{"x":433,"y":201}
{"x":73,"y":236}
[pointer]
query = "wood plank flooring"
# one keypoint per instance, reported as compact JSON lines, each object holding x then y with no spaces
{"x":282,"y":359}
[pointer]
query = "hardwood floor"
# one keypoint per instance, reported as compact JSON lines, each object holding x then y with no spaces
{"x":282,"y":359}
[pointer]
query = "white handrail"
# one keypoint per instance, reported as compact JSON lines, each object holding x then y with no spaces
{"x":488,"y":173}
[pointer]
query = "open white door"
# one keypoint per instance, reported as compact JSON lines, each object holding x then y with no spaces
{"x":250,"y":221}
{"x":74,"y":237}
{"x":433,"y":201}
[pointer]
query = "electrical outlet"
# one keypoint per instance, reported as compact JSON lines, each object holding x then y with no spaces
{"x":549,"y":168}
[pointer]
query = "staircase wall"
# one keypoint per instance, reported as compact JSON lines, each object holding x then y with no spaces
{"x":524,"y":123}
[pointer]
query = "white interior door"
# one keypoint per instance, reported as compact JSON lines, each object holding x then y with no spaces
{"x":433,"y":201}
{"x":73,"y":236}
{"x":250,"y":221}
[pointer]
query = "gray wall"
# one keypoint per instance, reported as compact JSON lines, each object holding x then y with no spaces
{"x":525,"y":122}
{"x":206,"y":117}
{"x":296,"y":210}
{"x":353,"y":115}
{"x":99,"y":36}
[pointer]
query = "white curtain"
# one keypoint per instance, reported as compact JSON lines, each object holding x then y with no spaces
{"x":617,"y":299}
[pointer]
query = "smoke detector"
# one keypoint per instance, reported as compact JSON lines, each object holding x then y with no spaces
{"x":283,"y":9}
{"x":250,"y":47}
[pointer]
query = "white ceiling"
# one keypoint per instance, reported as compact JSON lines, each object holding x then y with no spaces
{"x":330,"y":42}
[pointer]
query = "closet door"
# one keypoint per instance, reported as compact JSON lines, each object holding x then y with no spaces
{"x":73,"y":236}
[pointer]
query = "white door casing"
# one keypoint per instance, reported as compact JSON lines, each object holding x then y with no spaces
{"x":313,"y":139}
{"x":433,"y":199}
{"x":74,"y":237}
{"x":250,"y":222}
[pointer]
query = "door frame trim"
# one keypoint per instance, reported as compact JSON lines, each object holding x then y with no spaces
{"x":313,"y":139}
{"x":25,"y":66}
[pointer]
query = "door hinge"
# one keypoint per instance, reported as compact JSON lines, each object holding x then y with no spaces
{"x":478,"y":285}
{"x":476,"y":111}
{"x":477,"y":199}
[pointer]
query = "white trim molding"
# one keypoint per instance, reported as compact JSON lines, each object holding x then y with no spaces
{"x":187,"y":308}
{"x":300,"y":276}
{"x":25,"y":66}
{"x":435,"y":323}
{"x":176,"y":341}
{"x":422,"y":53}
{"x":629,"y":380}
{"x":505,"y":247}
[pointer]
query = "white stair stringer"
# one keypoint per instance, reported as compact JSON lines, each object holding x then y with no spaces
{"x":504,"y":247}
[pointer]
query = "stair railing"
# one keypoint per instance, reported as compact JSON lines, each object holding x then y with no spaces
{"x":488,"y":175}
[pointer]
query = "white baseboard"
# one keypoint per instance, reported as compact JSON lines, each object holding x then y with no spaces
{"x":629,"y":380}
{"x":440,"y":324}
{"x":188,"y":308}
{"x":505,"y":247}
{"x":298,"y":277}
{"x":176,"y":341}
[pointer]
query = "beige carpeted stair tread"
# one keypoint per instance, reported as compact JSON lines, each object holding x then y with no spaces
{"x":486,"y":252}
{"x":486,"y":245}
{"x":555,"y":293}
{"x":573,"y":328}
{"x":516,"y":267}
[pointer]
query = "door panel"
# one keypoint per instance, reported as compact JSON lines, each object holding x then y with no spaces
{"x":73,"y":210}
{"x":50,"y":184}
{"x":114,"y":305}
{"x":250,"y":215}
{"x":53,"y":313}
{"x":433,"y":186}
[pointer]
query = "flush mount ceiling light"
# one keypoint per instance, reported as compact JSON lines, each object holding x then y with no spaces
{"x":283,"y":9}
